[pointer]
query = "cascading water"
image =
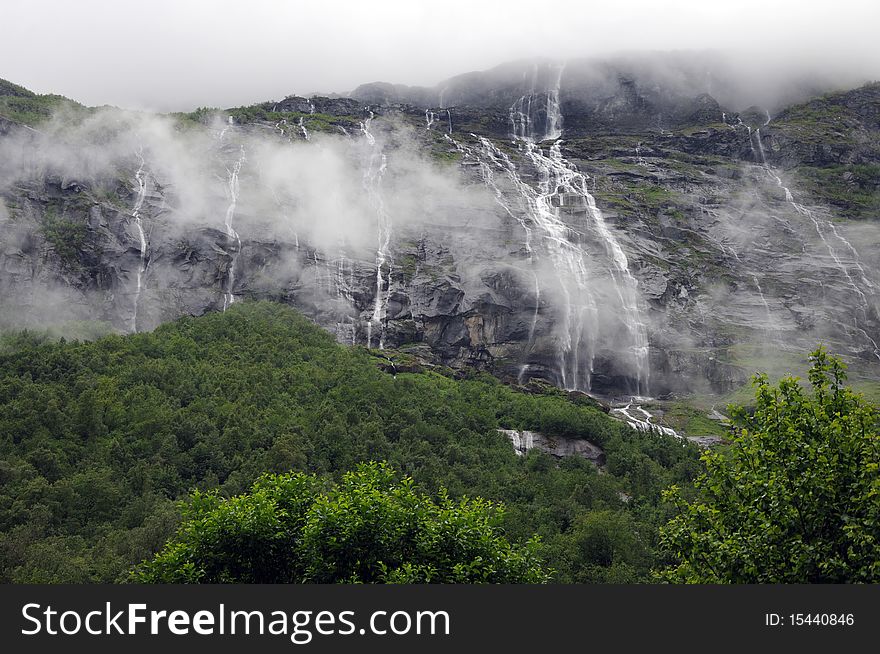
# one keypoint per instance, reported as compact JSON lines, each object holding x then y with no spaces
{"x":580,"y":252}
{"x":345,"y":284}
{"x":761,"y":141}
{"x":763,"y":301}
{"x":645,"y":423}
{"x":523,"y":441}
{"x":820,"y":226}
{"x":500,"y":160}
{"x":429,"y":118}
{"x":232,"y":189}
{"x":141,"y":179}
{"x":372,"y":182}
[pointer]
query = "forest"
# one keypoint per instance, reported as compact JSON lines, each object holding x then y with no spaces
{"x":104,"y":442}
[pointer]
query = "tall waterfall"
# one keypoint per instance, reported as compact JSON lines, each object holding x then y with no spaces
{"x":232,"y":190}
{"x":598,"y":293}
{"x":141,"y":179}
{"x":822,"y":227}
{"x":372,"y":182}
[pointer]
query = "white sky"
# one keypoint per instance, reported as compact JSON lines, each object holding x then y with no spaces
{"x":179,"y":54}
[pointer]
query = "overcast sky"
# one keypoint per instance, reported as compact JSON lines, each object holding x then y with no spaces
{"x":179,"y":54}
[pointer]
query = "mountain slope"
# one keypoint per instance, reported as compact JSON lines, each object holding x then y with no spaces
{"x":636,"y":237}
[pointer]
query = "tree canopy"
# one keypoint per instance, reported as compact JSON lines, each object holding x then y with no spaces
{"x":796,"y":499}
{"x":100,"y":440}
{"x":368,"y":528}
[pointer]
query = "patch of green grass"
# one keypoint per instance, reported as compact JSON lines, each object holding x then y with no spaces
{"x":446,"y":156}
{"x":66,"y":237}
{"x":692,"y":421}
{"x":651,"y":196}
{"x":620,"y":164}
{"x":408,"y":265}
{"x":33,"y":110}
{"x":690,"y":131}
{"x":853,"y":189}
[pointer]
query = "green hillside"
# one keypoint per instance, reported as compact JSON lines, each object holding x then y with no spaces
{"x":98,"y":440}
{"x":23,"y":106}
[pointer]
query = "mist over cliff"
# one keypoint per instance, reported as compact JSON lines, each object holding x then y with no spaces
{"x":627,"y":226}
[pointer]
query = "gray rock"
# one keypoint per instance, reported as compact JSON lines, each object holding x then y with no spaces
{"x":556,"y":446}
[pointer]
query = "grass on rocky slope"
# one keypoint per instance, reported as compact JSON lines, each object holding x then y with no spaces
{"x":837,"y":136}
{"x":23,"y":106}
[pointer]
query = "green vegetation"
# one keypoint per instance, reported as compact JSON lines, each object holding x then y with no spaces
{"x":369,"y":528}
{"x":98,"y":441}
{"x":86,"y":330}
{"x":408,"y":265}
{"x":853,"y":189}
{"x":446,"y":156}
{"x":201,"y":115}
{"x":7,"y":88}
{"x":796,"y":499}
{"x":820,"y":121}
{"x":692,"y":421}
{"x":639,"y":198}
{"x":66,"y":237}
{"x":314,"y":122}
{"x":24,"y":106}
{"x":836,"y":138}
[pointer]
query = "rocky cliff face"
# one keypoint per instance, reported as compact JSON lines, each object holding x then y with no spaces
{"x":635,"y":239}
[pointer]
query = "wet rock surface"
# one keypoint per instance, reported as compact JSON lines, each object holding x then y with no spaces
{"x":556,"y":446}
{"x":731,"y":275}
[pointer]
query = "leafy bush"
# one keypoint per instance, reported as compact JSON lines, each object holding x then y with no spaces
{"x":369,"y":528}
{"x":795,"y":500}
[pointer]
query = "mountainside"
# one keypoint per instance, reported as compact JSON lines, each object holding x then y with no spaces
{"x":604,"y":228}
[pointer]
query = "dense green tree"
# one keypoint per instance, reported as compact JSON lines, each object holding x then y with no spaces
{"x":369,"y":528}
{"x":796,"y":499}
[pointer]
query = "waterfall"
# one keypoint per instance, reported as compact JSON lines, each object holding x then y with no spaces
{"x":372,"y":183}
{"x":502,"y":162}
{"x":760,"y":147}
{"x":537,"y":117}
{"x":303,"y":129}
{"x":344,"y":283}
{"x":429,"y":118}
{"x":752,"y":145}
{"x":820,"y":226}
{"x":280,"y":126}
{"x":232,"y":189}
{"x":141,"y":179}
{"x":642,"y":424}
{"x":640,"y":160}
{"x":763,"y":301}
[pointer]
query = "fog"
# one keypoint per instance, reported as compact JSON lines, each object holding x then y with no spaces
{"x":310,"y":209}
{"x":168,"y":55}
